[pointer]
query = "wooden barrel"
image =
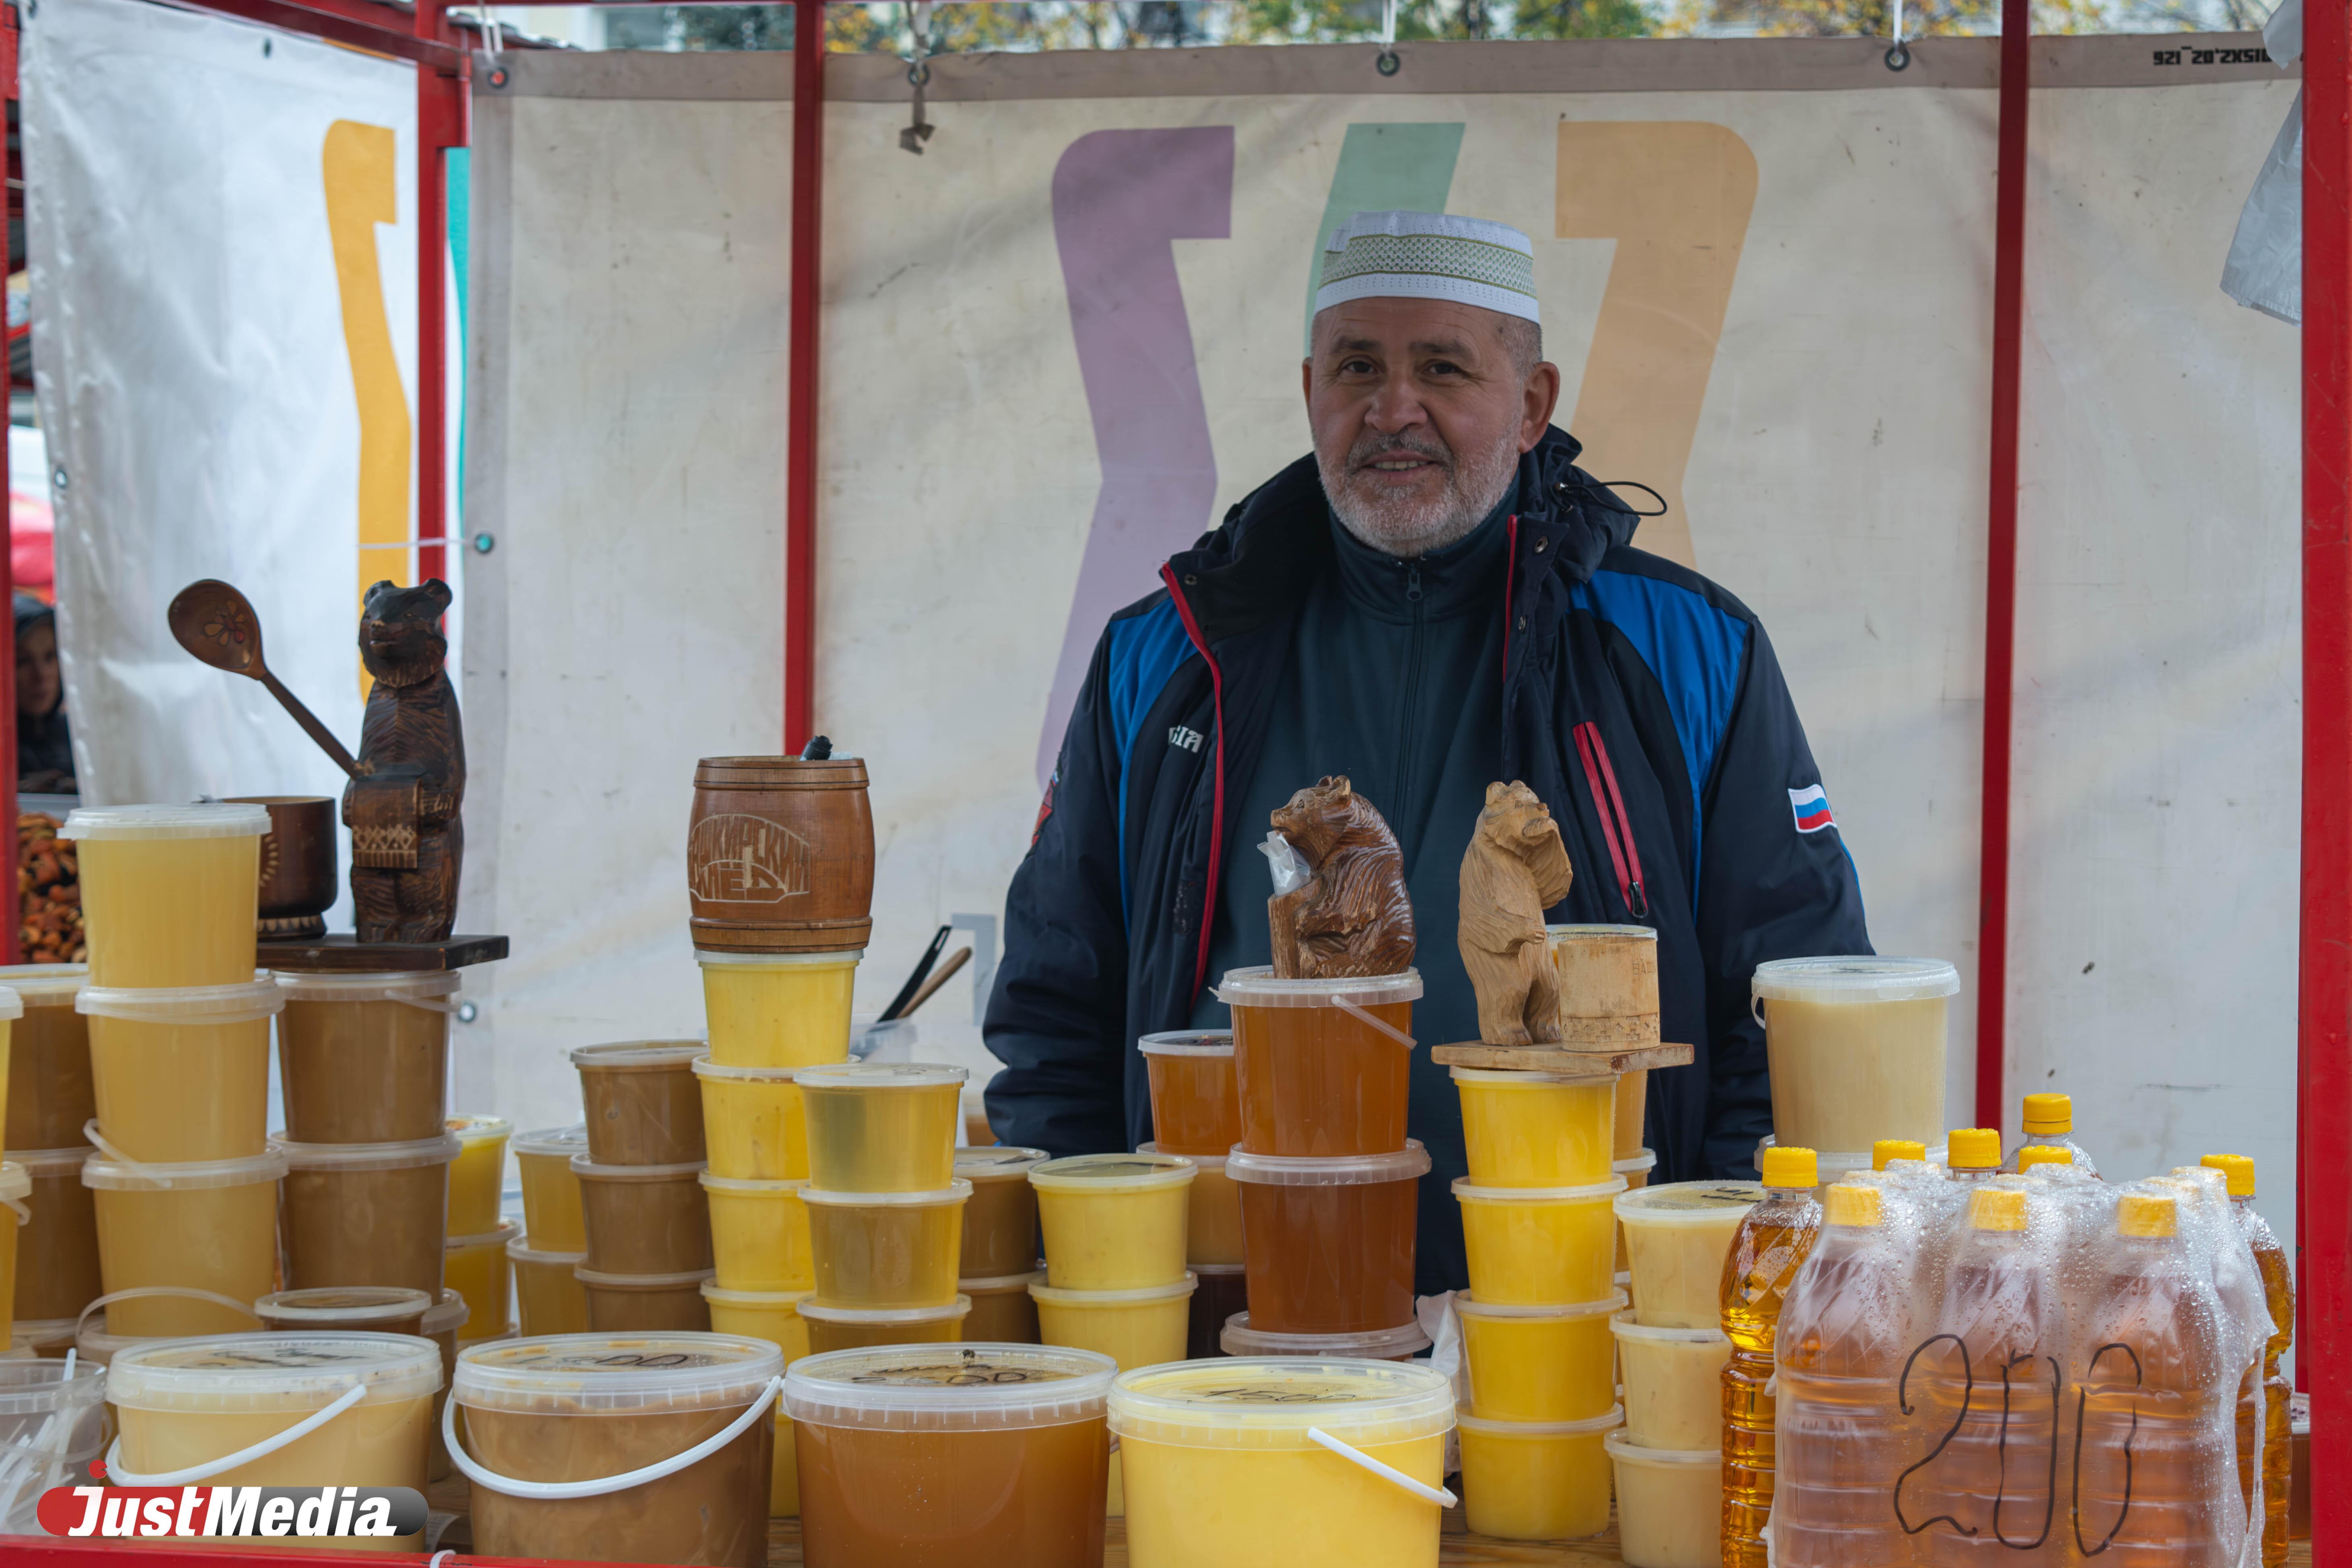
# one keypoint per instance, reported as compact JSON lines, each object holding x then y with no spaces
{"x":1608,"y":986}
{"x":780,"y":855}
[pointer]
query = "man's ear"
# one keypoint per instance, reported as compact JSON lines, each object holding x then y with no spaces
{"x":1542,"y":398}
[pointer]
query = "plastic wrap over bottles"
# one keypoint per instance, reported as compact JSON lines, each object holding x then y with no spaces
{"x":2033,"y":1371}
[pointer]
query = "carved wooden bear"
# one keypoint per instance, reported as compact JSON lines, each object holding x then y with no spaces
{"x":1352,"y":917}
{"x":1515,"y":869}
{"x":407,"y":839}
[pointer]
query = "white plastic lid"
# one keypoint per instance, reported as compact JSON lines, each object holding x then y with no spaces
{"x":683,"y":1171}
{"x":728,"y":1072}
{"x":15,"y":1181}
{"x":1215,"y":1162}
{"x":1328,"y":1170}
{"x":41,"y":1386}
{"x":1856,"y":979}
{"x":1466,"y":1303}
{"x":1113,"y":1174}
{"x":1512,"y":1077}
{"x":208,"y":820}
{"x":44,"y":985}
{"x":270,"y":1371}
{"x":1688,"y":1203}
{"x":714,"y":1291}
{"x":1573,"y":933}
{"x":521,"y":1250}
{"x":1624,"y":1326}
{"x":711,"y":958}
{"x":238,"y":1003}
{"x":1001,"y":1284}
{"x":508,"y":1231}
{"x":1188,"y":1043}
{"x":50,"y":1162}
{"x":1647,"y":1160}
{"x":642,"y":1282}
{"x":1063,"y":1296}
{"x":959,"y":1309}
{"x":449,"y":1315}
{"x":341,"y":1306}
{"x":998,"y":1162}
{"x":639,"y":1054}
{"x":1238,"y":1338}
{"x":397,"y":987}
{"x":955,"y":1192}
{"x":402,"y":1156}
{"x":1270,"y":1402}
{"x":753,"y":1186}
{"x":124,"y":1176}
{"x":1257,"y":987}
{"x":881,"y":1075}
{"x":1598,"y":1191}
{"x":476,"y":1128}
{"x":565,"y":1142}
{"x":949,"y":1388}
{"x":1592,"y":1426}
{"x":1626,"y":1450}
{"x":570,"y":1374}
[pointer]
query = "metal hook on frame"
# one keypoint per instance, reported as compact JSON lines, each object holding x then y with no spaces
{"x":1386,"y":62}
{"x":919,"y":75}
{"x":1898,"y":57}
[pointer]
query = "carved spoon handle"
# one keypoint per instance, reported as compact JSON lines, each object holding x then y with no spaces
{"x":310,"y":722}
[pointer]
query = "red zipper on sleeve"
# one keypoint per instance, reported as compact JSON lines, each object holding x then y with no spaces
{"x":1615,"y":826}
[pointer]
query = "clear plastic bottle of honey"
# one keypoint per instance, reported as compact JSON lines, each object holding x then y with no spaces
{"x":2272,"y":1387}
{"x":2049,"y":1124}
{"x":1772,"y":1243}
{"x":1974,"y":1153}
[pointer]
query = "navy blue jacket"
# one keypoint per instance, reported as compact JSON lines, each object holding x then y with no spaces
{"x":1640,"y":701}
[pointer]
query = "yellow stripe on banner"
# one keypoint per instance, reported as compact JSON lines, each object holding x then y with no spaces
{"x":358,"y":165}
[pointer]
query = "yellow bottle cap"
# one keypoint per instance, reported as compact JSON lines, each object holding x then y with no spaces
{"x":1790,"y":1167}
{"x":2049,"y":1115}
{"x":1887,"y":1149}
{"x":2145,"y":1214}
{"x":2034,"y":1154}
{"x":2238,"y":1168}
{"x":1976,"y":1148}
{"x":1843,"y":1203}
{"x":1996,"y":1208}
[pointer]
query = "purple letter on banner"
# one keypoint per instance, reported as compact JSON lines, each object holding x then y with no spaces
{"x":1121,"y":198}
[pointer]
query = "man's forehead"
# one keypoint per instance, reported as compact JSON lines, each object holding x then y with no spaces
{"x":1420,"y":326}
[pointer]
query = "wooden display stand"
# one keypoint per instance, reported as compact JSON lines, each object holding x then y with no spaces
{"x":344,"y":953}
{"x":1580,"y":1062}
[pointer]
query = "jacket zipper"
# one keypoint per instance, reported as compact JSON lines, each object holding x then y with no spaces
{"x":1616,"y":827}
{"x":1217,"y":774}
{"x":1411,"y":684}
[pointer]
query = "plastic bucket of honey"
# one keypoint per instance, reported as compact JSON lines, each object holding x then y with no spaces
{"x":548,"y":1298}
{"x":645,"y":1303}
{"x":1002,"y":1310}
{"x":914,"y":1456}
{"x":1323,"y":1066}
{"x":345,"y":1309}
{"x":276,"y":1410}
{"x":551,"y":1193}
{"x":1856,"y":1046}
{"x":759,"y":1234}
{"x":1212,"y":1216}
{"x":1539,"y":1246}
{"x":1134,"y":1328}
{"x":1237,"y":1431}
{"x":476,"y":1268}
{"x":56,"y":1248}
{"x":478,"y":1173}
{"x":1669,"y":1504}
{"x":1674,"y":1384}
{"x":1538,"y":1363}
{"x":642,"y":1104}
{"x":886,"y":1249}
{"x":363,"y":1214}
{"x":210,"y":1227}
{"x":364,"y":1058}
{"x":49,"y":1096}
{"x":1536,"y":1480}
{"x":1114,"y":1222}
{"x":183,"y":1074}
{"x":1401,"y":1343}
{"x":51,"y":1427}
{"x":1196,"y":1100}
{"x":643,"y":1220}
{"x":752,"y":1122}
{"x":856,"y":1328}
{"x":999,"y":1223}
{"x":170,"y":894}
{"x":882,"y":1127}
{"x":1676,"y":1237}
{"x":778,"y":1009}
{"x":1635,"y":1168}
{"x":15,"y":1186}
{"x":1330,"y":1240}
{"x":624,"y":1447}
{"x":1537,"y":1129}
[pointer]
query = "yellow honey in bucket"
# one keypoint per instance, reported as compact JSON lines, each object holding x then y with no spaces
{"x":1114,"y":1222}
{"x":885,"y":1250}
{"x":1538,"y":1363}
{"x":551,"y":1193}
{"x":183,"y":1074}
{"x":1236,"y":1431}
{"x":882,"y":1127}
{"x":169,"y":892}
{"x":209,"y":1227}
{"x":773,"y":1316}
{"x":186,"y":1402}
{"x":759,"y":1234}
{"x":1536,"y":1129}
{"x":1669,"y":1504}
{"x":1212,"y":1211}
{"x":1539,"y":1246}
{"x":1676,"y":1237}
{"x":779,"y":1009}
{"x":1134,"y":1328}
{"x":1536,"y":1480}
{"x":1674,"y":1384}
{"x":476,"y":1268}
{"x":478,"y":1173}
{"x":753,"y":1125}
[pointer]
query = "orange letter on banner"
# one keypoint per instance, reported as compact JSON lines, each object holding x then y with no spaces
{"x":1675,"y":196}
{"x":358,"y":165}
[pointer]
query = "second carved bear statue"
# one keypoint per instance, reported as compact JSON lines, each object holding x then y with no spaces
{"x":1515,"y":869}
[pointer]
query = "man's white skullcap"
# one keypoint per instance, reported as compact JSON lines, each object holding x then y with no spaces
{"x":1430,"y":255}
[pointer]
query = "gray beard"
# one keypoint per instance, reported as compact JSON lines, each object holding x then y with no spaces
{"x":1406,"y":530}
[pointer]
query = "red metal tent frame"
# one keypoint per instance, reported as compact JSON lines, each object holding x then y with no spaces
{"x":426,"y":37}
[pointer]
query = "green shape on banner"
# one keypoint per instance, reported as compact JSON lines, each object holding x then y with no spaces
{"x":457,"y":165}
{"x":1385,"y":168}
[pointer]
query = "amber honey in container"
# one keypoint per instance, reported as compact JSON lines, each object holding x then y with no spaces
{"x":645,"y":1303}
{"x":50,"y":1098}
{"x":366,"y":1214}
{"x":549,"y":1297}
{"x":56,"y":1249}
{"x":644,"y":1107}
{"x":780,"y":855}
{"x":1322,"y":1065}
{"x":585,"y":1408}
{"x":363,"y":1058}
{"x":643,"y":1220}
{"x":1196,"y":1104}
{"x":914,"y":1456}
{"x":169,"y":892}
{"x":183,"y":1074}
{"x":999,"y":1223}
{"x":1002,"y":1310}
{"x":1330,"y":1241}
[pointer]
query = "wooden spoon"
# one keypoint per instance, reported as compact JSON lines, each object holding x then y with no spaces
{"x":213,"y":621}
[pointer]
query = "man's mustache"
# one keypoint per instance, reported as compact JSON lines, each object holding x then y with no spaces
{"x":1365,"y":453}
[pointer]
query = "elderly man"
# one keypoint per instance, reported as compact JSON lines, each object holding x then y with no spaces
{"x":1438,"y":598}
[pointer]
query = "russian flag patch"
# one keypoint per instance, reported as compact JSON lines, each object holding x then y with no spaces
{"x":1810,"y":806}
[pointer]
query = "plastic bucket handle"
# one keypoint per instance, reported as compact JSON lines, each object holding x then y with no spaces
{"x":137,"y":1168}
{"x":184,"y":1292}
{"x":120,"y":1477}
{"x":561,"y":1491}
{"x":1399,"y":1036}
{"x":1441,"y":1496}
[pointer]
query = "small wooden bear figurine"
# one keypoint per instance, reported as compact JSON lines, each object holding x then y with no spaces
{"x":1515,"y":869}
{"x":402,"y":807}
{"x":1351,"y":916}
